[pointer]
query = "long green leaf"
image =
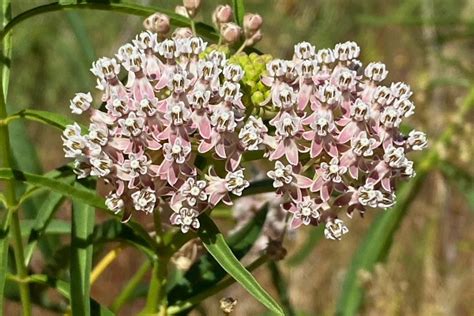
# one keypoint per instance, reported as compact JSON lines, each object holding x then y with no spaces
{"x":207,"y":272}
{"x":40,"y":224}
{"x":86,"y":195}
{"x":83,"y":217}
{"x":116,"y":6}
{"x":239,"y":11}
{"x":55,"y":227}
{"x":215,"y":244}
{"x":45,"y":117}
{"x":375,"y":246}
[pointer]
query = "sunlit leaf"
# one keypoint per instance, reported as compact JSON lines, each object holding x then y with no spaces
{"x":207,"y":272}
{"x":215,"y":244}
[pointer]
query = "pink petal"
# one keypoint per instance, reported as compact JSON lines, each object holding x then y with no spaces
{"x":295,"y":222}
{"x":204,"y":126}
{"x":325,"y":194}
{"x":317,"y":184}
{"x":354,"y":171}
{"x":316,"y":147}
{"x":205,"y":145}
{"x":279,"y":151}
{"x":347,"y":133}
{"x":386,"y":184}
{"x":302,"y":181}
{"x":291,"y":152}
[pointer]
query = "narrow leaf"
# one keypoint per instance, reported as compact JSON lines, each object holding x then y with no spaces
{"x":45,"y":117}
{"x":239,"y":11}
{"x":215,"y":244}
{"x":375,"y":246}
{"x":207,"y":272}
{"x":80,"y":193}
{"x":83,"y":217}
{"x":104,"y":5}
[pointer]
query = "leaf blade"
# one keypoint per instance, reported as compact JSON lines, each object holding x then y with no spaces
{"x":239,"y":11}
{"x":215,"y":244}
{"x":83,"y":217}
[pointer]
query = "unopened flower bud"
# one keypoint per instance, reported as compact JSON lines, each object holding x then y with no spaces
{"x":231,"y":32}
{"x":222,"y":14}
{"x":252,"y":23}
{"x":158,"y":23}
{"x":252,"y":40}
{"x":192,"y":6}
{"x":182,"y":32}
{"x":181,"y":10}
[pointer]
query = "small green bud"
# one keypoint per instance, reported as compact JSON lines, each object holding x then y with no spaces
{"x":257,"y":98}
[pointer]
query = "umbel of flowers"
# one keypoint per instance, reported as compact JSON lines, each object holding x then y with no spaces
{"x":334,"y":136}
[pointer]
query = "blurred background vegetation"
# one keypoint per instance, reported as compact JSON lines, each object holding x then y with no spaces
{"x":427,"y":43}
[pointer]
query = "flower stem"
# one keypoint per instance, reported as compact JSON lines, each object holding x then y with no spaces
{"x":104,"y":263}
{"x":193,"y":27}
{"x":156,"y":301}
{"x":12,"y":219}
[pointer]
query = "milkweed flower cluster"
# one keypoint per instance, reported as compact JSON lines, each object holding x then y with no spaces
{"x":337,"y":140}
{"x":334,"y":137}
{"x":144,"y":142}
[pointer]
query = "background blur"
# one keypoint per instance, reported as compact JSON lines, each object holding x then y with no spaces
{"x":427,"y":43}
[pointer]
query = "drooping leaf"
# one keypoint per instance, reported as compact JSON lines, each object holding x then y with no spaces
{"x":83,"y":216}
{"x":375,"y":246}
{"x":45,"y":117}
{"x":207,"y":272}
{"x":215,"y":244}
{"x":239,"y":11}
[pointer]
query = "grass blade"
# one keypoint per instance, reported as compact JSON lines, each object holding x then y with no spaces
{"x":215,"y":244}
{"x":83,"y":217}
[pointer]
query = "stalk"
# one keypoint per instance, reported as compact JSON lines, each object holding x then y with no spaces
{"x":12,"y":219}
{"x":156,"y":302}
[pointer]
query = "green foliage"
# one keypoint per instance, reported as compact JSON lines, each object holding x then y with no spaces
{"x":239,"y":11}
{"x":81,"y":255}
{"x":214,"y":242}
{"x":207,"y":272}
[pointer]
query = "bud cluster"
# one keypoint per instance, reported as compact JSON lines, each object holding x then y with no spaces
{"x":254,"y":66}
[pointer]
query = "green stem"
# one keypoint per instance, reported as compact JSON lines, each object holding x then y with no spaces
{"x":12,"y":217}
{"x":132,"y":284}
{"x":193,"y":27}
{"x":122,"y":7}
{"x":156,"y":301}
{"x":228,"y":281}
